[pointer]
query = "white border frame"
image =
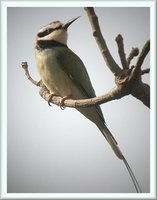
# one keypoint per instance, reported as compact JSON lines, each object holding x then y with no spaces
{"x":4,"y":194}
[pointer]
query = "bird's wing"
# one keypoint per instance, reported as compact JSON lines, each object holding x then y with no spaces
{"x":73,"y":66}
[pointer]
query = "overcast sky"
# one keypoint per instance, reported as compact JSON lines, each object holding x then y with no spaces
{"x":51,"y":150}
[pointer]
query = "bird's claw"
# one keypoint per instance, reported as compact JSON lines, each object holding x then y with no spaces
{"x":50,"y":99}
{"x":62,"y":106}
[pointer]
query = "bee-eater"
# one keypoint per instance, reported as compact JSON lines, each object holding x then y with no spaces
{"x":64,"y":74}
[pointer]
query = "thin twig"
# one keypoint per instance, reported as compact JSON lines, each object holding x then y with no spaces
{"x":134,"y":52}
{"x":25,"y":67}
{"x":119,"y":40}
{"x":143,"y":54}
{"x":113,"y":66}
{"x":145,"y":71}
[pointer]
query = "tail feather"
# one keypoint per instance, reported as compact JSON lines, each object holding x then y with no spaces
{"x":111,"y":140}
{"x":114,"y":145}
{"x":97,"y":118}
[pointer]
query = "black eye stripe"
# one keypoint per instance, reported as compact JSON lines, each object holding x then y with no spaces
{"x":48,"y":31}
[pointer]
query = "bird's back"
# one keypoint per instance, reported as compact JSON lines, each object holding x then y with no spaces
{"x":75,"y":69}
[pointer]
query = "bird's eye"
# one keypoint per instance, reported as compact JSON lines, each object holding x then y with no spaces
{"x":46,"y":32}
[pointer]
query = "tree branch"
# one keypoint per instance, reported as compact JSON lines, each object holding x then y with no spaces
{"x":134,"y":52}
{"x":142,"y":55}
{"x":113,"y":94}
{"x":145,"y":71}
{"x":119,"y":40}
{"x":113,"y":66}
{"x":129,"y":78}
{"x":142,"y":93}
{"x":25,"y":67}
{"x":125,"y":85}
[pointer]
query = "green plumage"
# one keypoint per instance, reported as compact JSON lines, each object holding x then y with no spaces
{"x":73,"y":66}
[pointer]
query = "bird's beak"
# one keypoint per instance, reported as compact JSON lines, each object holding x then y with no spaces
{"x":67,"y":24}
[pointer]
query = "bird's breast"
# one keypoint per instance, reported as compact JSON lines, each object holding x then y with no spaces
{"x":52,"y":73}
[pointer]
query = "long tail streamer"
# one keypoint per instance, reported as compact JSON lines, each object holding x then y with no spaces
{"x":135,"y":182}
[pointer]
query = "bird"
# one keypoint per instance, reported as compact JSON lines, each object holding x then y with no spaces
{"x":64,"y":74}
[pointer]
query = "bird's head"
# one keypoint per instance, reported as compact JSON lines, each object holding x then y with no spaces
{"x":55,"y":31}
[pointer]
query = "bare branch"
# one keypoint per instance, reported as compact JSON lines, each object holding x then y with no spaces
{"x":142,"y":55}
{"x":134,"y":52}
{"x":113,"y":94}
{"x":25,"y":67}
{"x":145,"y":71}
{"x":119,"y":40}
{"x":113,"y":66}
{"x":126,"y":84}
{"x":142,"y":92}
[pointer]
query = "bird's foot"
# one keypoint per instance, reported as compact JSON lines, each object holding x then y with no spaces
{"x":50,"y":98}
{"x":62,"y":106}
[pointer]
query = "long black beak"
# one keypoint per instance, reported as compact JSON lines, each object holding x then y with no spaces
{"x":67,"y":24}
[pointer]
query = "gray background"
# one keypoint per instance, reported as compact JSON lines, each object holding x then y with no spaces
{"x":50,"y":150}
